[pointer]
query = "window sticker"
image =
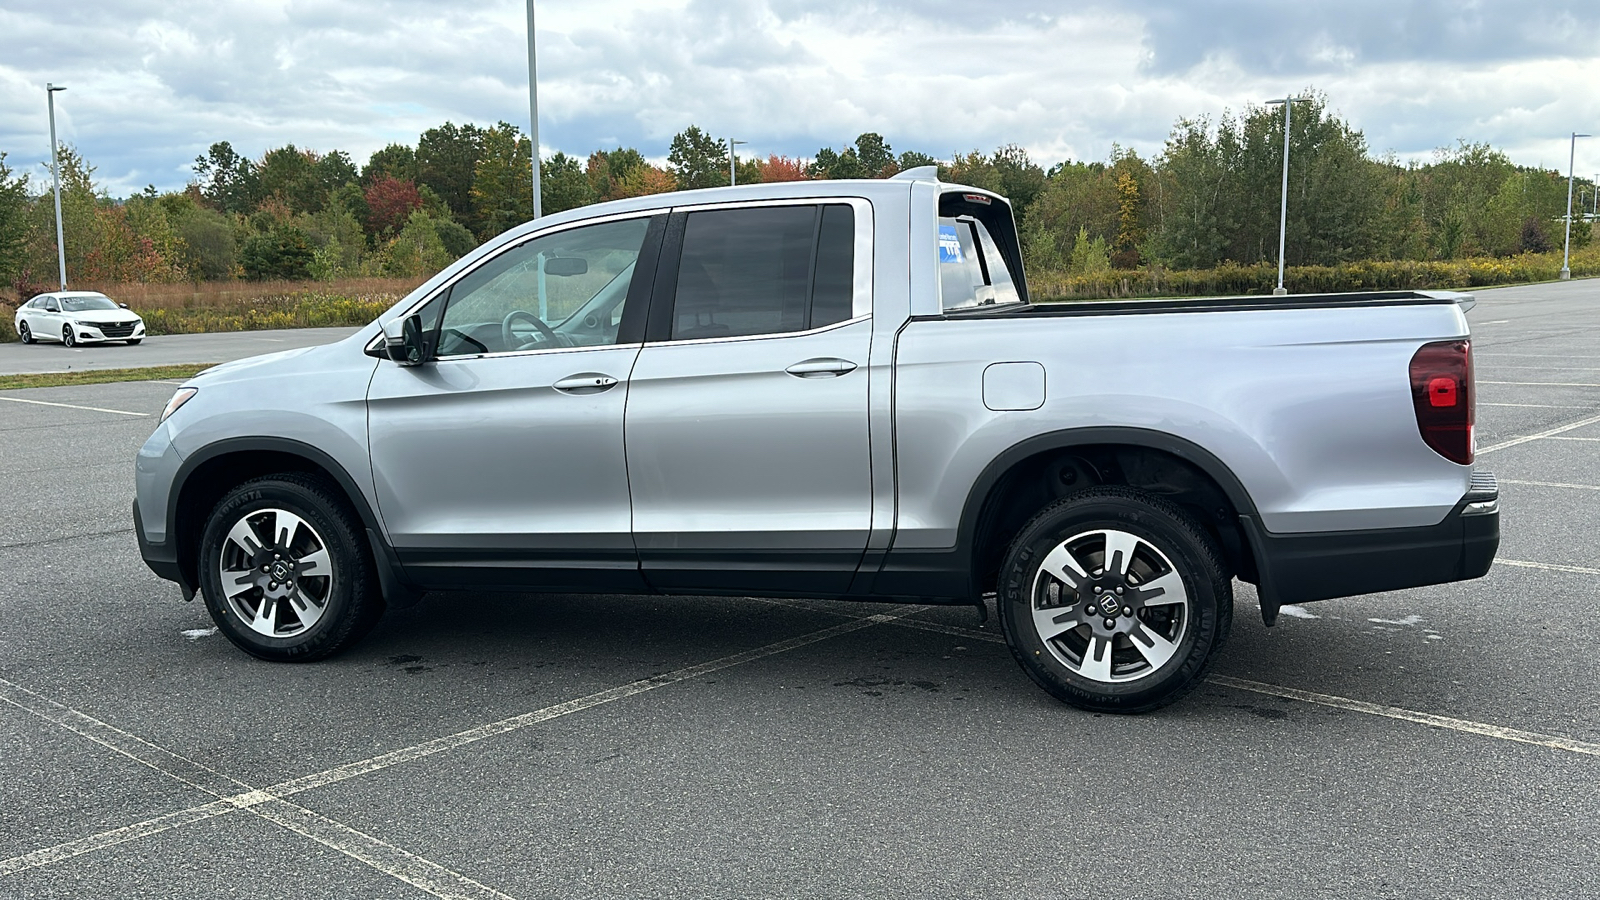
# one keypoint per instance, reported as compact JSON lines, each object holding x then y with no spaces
{"x":949,"y":245}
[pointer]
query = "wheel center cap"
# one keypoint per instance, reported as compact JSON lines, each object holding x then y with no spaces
{"x":281,"y":571}
{"x":1109,"y":604}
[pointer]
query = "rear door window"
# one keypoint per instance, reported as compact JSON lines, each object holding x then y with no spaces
{"x":764,"y":270}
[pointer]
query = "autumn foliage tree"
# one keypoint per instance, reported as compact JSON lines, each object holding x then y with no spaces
{"x":390,"y":203}
{"x":783,"y":168}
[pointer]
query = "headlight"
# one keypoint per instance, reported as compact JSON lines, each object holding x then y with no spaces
{"x":182,"y":396}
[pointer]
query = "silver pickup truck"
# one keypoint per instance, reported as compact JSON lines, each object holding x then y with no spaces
{"x":831,"y":389}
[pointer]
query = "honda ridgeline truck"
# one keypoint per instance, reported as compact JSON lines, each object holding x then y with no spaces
{"x":833,"y":389}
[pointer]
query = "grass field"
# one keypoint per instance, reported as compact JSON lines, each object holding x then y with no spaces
{"x":246,"y":305}
{"x":102,"y":376}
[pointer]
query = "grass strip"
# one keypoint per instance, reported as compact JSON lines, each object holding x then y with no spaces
{"x":101,"y":376}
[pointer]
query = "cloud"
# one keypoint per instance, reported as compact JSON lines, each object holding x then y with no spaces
{"x":153,"y":84}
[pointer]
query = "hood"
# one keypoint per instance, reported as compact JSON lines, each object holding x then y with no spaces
{"x":263,"y":366}
{"x":106,"y":316}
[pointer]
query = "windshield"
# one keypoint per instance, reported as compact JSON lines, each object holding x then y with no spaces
{"x":86,"y":304}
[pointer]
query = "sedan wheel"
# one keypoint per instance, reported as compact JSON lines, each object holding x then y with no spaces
{"x":1115,"y":600}
{"x":68,"y":337}
{"x":285,"y":569}
{"x":24,"y":332}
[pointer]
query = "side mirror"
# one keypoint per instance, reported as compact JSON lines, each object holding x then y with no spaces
{"x":565,"y":266}
{"x":123,"y":305}
{"x":405,"y":342}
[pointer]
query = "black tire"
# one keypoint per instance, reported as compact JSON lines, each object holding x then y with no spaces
{"x":351,"y":602}
{"x":24,"y":332}
{"x":1166,"y":542}
{"x":68,"y":336}
{"x":134,"y":342}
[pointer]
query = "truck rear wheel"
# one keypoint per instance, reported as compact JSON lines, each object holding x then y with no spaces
{"x":285,"y":571}
{"x":1114,"y":600}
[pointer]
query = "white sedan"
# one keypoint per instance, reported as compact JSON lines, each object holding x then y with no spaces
{"x":77,"y":317}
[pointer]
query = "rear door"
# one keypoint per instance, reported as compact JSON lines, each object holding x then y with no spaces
{"x":746,"y":427}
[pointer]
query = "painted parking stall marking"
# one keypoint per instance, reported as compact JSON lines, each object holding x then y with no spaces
{"x":118,"y":412}
{"x":269,"y":804}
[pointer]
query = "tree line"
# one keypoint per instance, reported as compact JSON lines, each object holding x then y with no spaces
{"x":1209,"y":197}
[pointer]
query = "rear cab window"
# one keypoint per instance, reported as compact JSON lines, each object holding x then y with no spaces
{"x":979,"y":258}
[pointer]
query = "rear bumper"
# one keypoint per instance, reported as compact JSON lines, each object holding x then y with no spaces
{"x":1300,"y":568}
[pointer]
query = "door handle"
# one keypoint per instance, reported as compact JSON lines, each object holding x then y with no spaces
{"x":829,"y":367}
{"x":585,"y":383}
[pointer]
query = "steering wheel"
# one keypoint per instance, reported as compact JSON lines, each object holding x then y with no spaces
{"x":509,"y":338}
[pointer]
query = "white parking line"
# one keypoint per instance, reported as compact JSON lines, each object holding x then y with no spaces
{"x":1550,"y":567}
{"x":1545,"y":383}
{"x":1538,"y":406}
{"x":1559,"y":484}
{"x":1407,"y":715}
{"x":266,"y":802}
{"x":386,"y":858}
{"x":120,"y":412}
{"x":1575,"y":439}
{"x":1391,"y":712}
{"x":1543,"y":434}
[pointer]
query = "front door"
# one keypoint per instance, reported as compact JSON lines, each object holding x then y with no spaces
{"x":747,"y":414}
{"x":500,"y":463}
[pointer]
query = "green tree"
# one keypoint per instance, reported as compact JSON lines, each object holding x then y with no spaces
{"x":1089,"y":255}
{"x":875,"y":154}
{"x":911,"y":159}
{"x":226,"y":179}
{"x":608,"y":169}
{"x":697,"y":160}
{"x":13,"y":223}
{"x":209,"y":249}
{"x":447,"y":163}
{"x":502,"y":185}
{"x":397,"y":161}
{"x":563,"y":184}
{"x":417,"y":251}
{"x":284,"y":253}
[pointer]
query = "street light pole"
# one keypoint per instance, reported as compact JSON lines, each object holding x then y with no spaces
{"x":533,"y":108}
{"x":55,"y":175}
{"x":1566,"y":249}
{"x":733,"y":165}
{"x":1283,"y":208}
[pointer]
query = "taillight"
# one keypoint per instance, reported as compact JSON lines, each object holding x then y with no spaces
{"x":1441,"y":393}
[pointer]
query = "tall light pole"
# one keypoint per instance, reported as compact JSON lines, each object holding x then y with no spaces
{"x":55,"y":175}
{"x":1566,"y":249}
{"x":733,"y":164}
{"x":1283,"y":209}
{"x":533,"y":107}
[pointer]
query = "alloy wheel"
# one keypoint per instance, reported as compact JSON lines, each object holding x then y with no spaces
{"x":1110,"y":606}
{"x":277,"y":575}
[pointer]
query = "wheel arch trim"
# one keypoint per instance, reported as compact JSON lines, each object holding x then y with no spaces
{"x":1189,"y":451}
{"x":393,"y":582}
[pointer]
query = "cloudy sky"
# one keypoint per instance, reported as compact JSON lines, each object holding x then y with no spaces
{"x":152,"y":83}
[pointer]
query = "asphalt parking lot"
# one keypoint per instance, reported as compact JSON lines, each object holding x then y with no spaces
{"x":1441,"y":742}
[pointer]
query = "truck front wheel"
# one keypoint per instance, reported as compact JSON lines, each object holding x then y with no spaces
{"x":284,"y":569}
{"x":1114,"y":600}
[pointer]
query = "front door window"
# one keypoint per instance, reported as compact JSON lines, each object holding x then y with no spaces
{"x":559,"y":291}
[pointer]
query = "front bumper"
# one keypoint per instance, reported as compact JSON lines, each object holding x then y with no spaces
{"x":92,"y":333}
{"x":1300,"y":568}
